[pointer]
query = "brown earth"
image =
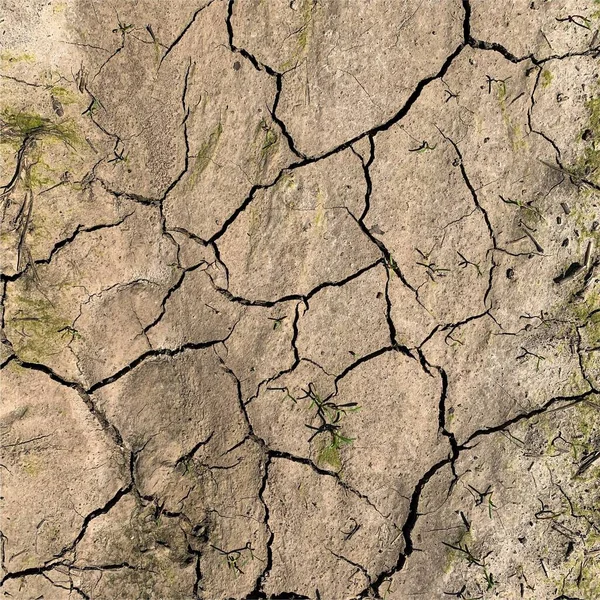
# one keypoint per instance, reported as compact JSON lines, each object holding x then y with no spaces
{"x":300,"y":299}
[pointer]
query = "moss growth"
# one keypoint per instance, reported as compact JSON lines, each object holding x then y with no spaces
{"x":330,"y":455}
{"x":306,"y":31}
{"x":32,"y":465}
{"x":205,"y":154}
{"x":547,"y":78}
{"x":582,"y":310}
{"x":266,"y":146}
{"x":18,"y":126}
{"x":320,"y":209}
{"x":287,"y":181}
{"x":65,"y":96}
{"x":11,"y":57}
{"x":515,"y":132}
{"x":588,"y":165}
{"x":582,"y":579}
{"x":584,"y":214}
{"x":39,"y":176}
{"x":36,"y":328}
{"x":304,"y":35}
{"x":452,"y":556}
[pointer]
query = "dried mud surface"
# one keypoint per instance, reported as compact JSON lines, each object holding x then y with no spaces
{"x":300,"y":299}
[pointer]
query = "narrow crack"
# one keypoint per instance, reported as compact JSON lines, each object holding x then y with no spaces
{"x":170,"y":352}
{"x":299,"y":297}
{"x":257,"y":590}
{"x":309,"y":463}
{"x":184,"y":31}
{"x":394,"y":348}
{"x":456,"y":450}
{"x":169,"y":294}
{"x":388,"y":312}
{"x":472,"y":191}
{"x":96,"y":412}
{"x":58,"y":246}
{"x":561,"y":401}
{"x":500,"y":49}
{"x":56,"y":560}
{"x":259,"y":66}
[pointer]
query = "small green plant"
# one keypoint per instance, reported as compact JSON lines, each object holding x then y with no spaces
{"x":70,"y":331}
{"x":463,"y":550}
{"x":238,"y":558}
{"x":502,"y":87}
{"x":424,"y":147}
{"x":330,"y":415}
{"x":525,"y":206}
{"x":277,"y":321}
{"x":480,"y":498}
{"x":489,"y":578}
{"x":433,"y":270}
{"x":547,"y":78}
{"x":388,"y":590}
{"x":205,"y":154}
{"x":123,"y":28}
{"x":391,"y":263}
{"x":454,"y":342}
{"x":465,"y":262}
{"x":526,"y":354}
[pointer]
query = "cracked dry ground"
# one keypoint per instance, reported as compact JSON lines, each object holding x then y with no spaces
{"x":300,"y":299}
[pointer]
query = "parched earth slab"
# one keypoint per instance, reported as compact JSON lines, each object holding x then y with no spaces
{"x":300,"y":233}
{"x":494,"y":376}
{"x":283,"y":412}
{"x":52,"y":315}
{"x":373,"y":449}
{"x":134,"y":551}
{"x":540,"y":29}
{"x":299,"y":299}
{"x":482,"y":105}
{"x":340,"y":312}
{"x":167,"y":407}
{"x":259,"y":347}
{"x":513,"y":517}
{"x":39,"y":586}
{"x":331,"y":91}
{"x":394,"y":428}
{"x":232,"y":141}
{"x":59,"y":467}
{"x":318,"y":547}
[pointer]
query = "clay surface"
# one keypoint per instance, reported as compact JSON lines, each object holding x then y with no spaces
{"x":299,"y":299}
